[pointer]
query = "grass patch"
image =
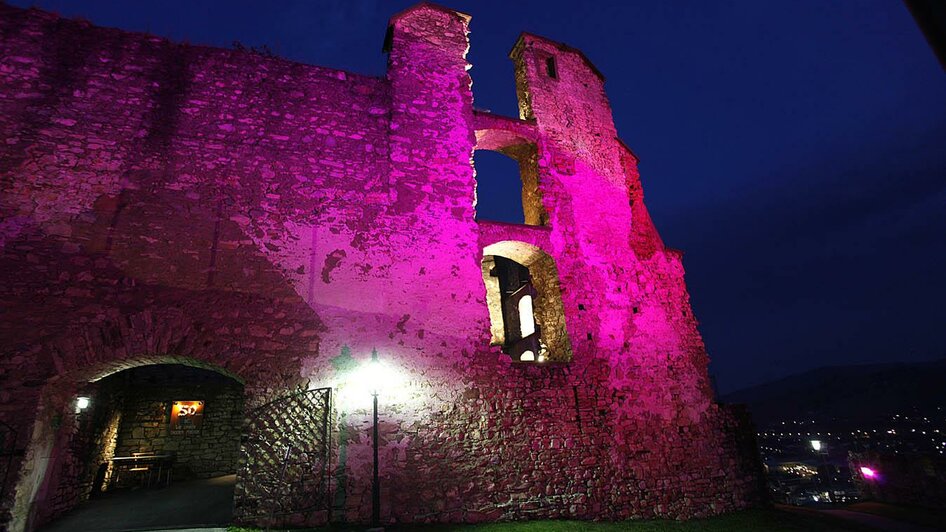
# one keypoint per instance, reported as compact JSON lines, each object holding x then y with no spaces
{"x":763,"y":520}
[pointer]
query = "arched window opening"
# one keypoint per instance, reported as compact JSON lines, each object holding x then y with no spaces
{"x":499,"y":195}
{"x":550,"y":68}
{"x":525,"y":305}
{"x":521,"y":335}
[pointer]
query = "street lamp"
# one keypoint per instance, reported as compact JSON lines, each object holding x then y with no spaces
{"x":374,"y":377}
{"x":823,"y":472}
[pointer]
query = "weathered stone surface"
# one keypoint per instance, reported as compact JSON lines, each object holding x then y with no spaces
{"x":276,"y":222}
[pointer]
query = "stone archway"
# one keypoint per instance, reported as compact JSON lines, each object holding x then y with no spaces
{"x":86,"y":354}
{"x":85,"y":419}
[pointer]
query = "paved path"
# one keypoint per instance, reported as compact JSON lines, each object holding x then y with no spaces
{"x":197,"y":504}
{"x":210,"y":529}
{"x":877,"y":522}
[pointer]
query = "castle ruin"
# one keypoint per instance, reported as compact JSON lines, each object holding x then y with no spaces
{"x":171,"y":210}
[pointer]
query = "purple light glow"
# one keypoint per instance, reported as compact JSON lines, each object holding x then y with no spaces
{"x":868,"y":472}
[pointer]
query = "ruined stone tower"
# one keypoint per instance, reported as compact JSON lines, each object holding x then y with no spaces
{"x":277,"y":223}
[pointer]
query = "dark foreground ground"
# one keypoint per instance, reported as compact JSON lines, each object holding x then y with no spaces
{"x":752,"y":520}
{"x":196,"y":503}
{"x":779,"y":519}
{"x":205,"y":503}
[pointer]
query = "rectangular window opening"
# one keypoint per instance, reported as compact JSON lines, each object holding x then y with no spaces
{"x":550,"y":68}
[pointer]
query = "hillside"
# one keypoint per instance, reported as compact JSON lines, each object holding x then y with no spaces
{"x":848,"y":393}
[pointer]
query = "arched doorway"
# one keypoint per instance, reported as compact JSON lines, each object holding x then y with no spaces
{"x":152,"y":446}
{"x":525,"y":303}
{"x":167,"y":441}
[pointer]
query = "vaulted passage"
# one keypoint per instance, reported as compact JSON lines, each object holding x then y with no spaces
{"x":149,"y":437}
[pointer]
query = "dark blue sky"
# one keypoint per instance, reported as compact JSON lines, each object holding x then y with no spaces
{"x":795,"y":150}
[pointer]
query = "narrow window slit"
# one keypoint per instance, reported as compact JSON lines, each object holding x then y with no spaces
{"x":550,"y":68}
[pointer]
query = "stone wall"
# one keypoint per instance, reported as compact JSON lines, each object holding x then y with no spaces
{"x":210,"y":451}
{"x":277,"y":222}
{"x":90,"y":436}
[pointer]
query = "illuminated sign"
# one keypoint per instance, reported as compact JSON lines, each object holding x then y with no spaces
{"x":186,"y":415}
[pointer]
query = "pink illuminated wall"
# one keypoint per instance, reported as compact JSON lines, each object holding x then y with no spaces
{"x":279,"y":221}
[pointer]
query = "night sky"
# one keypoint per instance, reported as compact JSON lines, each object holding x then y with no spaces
{"x":795,"y":150}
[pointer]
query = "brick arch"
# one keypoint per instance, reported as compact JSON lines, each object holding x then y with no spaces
{"x":521,"y":252}
{"x":498,"y":139}
{"x":49,"y":482}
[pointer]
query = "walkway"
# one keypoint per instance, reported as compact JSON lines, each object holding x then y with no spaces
{"x":864,"y":520}
{"x":877,"y":522}
{"x":196,"y":503}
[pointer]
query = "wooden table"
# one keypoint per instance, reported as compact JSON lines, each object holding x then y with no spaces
{"x":155,"y":465}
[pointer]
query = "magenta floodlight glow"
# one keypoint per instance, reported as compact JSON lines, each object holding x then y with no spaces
{"x":868,"y":472}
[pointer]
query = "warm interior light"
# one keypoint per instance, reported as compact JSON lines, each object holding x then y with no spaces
{"x":186,"y":414}
{"x":868,"y":472}
{"x":82,"y":403}
{"x":526,"y":317}
{"x":816,"y":445}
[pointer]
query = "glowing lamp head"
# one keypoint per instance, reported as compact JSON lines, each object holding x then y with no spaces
{"x":82,"y":403}
{"x":374,"y":374}
{"x":816,"y":445}
{"x":373,"y":377}
{"x":868,"y":473}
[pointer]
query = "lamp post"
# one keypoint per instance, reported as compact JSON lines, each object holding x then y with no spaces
{"x":374,"y":377}
{"x":821,"y":449}
{"x":375,"y":486}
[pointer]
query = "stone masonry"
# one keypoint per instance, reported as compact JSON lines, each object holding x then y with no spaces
{"x":276,"y":222}
{"x":209,"y":451}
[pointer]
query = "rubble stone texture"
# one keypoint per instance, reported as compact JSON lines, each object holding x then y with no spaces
{"x":276,"y":222}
